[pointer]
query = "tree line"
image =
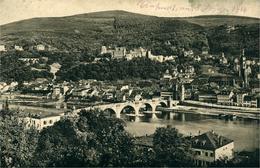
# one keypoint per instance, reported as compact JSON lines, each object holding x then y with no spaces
{"x":90,"y":139}
{"x":142,"y":68}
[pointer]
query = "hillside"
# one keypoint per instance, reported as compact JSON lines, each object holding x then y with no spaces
{"x":90,"y":31}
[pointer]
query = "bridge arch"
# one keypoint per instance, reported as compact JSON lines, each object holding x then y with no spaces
{"x":128,"y":112}
{"x":146,"y":110}
{"x":146,"y":106}
{"x":162,"y":104}
{"x":110,"y":112}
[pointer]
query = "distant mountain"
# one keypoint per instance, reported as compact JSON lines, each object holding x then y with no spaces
{"x":92,"y":30}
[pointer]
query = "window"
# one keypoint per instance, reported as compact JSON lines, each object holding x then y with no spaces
{"x":198,"y":152}
{"x":206,"y":153}
{"x":44,"y":122}
{"x":211,"y":154}
{"x":50,"y":121}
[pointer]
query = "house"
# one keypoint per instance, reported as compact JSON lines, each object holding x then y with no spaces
{"x":209,"y":97}
{"x":225,"y":98}
{"x":40,"y":122}
{"x":40,"y":47}
{"x":197,"y":58}
{"x":223,"y":80}
{"x":205,"y":51}
{"x":56,"y":92}
{"x":223,"y":59}
{"x":18,"y":48}
{"x":167,"y":76}
{"x":210,"y":147}
{"x":2,"y":48}
{"x":239,"y":101}
{"x":250,"y":101}
{"x":80,"y":92}
{"x":29,"y":60}
{"x":188,"y":53}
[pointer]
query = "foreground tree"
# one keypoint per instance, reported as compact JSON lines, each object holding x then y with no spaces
{"x":89,"y":139}
{"x":17,"y":143}
{"x":171,"y":148}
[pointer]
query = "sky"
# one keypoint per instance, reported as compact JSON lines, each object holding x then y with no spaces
{"x":15,"y":10}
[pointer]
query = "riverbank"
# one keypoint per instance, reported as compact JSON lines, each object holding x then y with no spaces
{"x":214,"y":109}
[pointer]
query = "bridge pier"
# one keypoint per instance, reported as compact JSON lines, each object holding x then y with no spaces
{"x":118,"y":114}
{"x":137,"y":119}
{"x":172,"y":115}
{"x":182,"y":116}
{"x":154,"y":116}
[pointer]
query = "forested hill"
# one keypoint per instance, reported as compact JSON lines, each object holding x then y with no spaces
{"x":90,"y":31}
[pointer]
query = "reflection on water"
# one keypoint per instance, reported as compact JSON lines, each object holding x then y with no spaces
{"x":245,"y":133}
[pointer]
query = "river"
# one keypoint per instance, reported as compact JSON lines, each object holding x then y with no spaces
{"x":244,"y":132}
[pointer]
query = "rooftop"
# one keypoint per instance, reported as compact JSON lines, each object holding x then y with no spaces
{"x":209,"y":141}
{"x":41,"y":116}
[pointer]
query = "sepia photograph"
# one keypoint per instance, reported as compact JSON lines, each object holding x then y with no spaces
{"x":129,"y":83}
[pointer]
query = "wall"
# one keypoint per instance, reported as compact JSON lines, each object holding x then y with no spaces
{"x":225,"y":151}
{"x":202,"y":156}
{"x":42,"y":122}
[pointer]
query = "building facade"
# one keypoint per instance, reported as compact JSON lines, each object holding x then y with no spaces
{"x":40,"y":122}
{"x":210,"y":147}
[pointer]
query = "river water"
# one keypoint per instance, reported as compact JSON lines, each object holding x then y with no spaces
{"x":244,"y":132}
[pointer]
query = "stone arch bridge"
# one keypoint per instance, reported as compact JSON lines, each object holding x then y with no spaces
{"x":134,"y":109}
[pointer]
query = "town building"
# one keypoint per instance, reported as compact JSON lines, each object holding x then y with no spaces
{"x":30,"y":60}
{"x":138,"y":52}
{"x":225,"y":98}
{"x":18,"y":48}
{"x":56,"y":92}
{"x":205,"y":51}
{"x":244,"y":68}
{"x":210,"y":147}
{"x":2,"y":48}
{"x":239,"y":101}
{"x":119,"y":53}
{"x":223,"y":60}
{"x":224,"y":80}
{"x":188,"y":53}
{"x":197,"y":58}
{"x":158,"y":58}
{"x":40,"y":47}
{"x":250,"y":101}
{"x":209,"y":97}
{"x":40,"y":122}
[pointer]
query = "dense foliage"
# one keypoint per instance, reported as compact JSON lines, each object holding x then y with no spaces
{"x":16,"y":142}
{"x":88,"y":140}
{"x":171,"y":148}
{"x":221,"y":39}
{"x":115,"y":69}
{"x":13,"y":69}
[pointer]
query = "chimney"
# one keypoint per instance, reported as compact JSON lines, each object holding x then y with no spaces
{"x":220,"y":140}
